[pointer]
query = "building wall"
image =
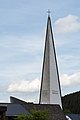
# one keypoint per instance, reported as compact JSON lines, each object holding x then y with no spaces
{"x":2,"y":112}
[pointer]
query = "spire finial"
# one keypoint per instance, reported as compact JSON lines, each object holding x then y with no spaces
{"x":48,"y":12}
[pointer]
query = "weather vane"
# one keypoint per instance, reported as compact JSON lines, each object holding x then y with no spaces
{"x":48,"y":12}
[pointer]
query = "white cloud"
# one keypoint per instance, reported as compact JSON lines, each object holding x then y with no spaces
{"x":2,"y":101}
{"x":24,"y":86}
{"x":35,"y":100}
{"x":67,"y":24}
{"x":34,"y":85}
{"x":70,"y":80}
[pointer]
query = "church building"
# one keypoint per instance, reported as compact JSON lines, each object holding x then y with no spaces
{"x":50,"y":91}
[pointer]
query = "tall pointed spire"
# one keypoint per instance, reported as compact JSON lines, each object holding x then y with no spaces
{"x":50,"y":92}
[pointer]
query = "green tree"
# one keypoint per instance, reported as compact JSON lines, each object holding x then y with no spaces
{"x":24,"y":117}
{"x":40,"y":115}
{"x":67,"y":111}
{"x":35,"y":115}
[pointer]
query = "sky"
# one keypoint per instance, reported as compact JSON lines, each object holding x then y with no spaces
{"x":22,"y":38}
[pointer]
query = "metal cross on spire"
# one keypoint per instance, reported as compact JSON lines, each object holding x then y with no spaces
{"x":48,"y":12}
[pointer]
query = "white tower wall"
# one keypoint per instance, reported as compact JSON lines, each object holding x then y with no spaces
{"x":50,"y":92}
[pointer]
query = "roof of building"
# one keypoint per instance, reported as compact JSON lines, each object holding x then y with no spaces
{"x":54,"y":110}
{"x":14,"y":109}
{"x":74,"y":116}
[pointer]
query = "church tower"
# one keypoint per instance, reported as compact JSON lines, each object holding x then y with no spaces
{"x":50,"y":91}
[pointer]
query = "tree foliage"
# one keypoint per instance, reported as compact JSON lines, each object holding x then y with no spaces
{"x":40,"y":115}
{"x":71,"y":103}
{"x":35,"y":115}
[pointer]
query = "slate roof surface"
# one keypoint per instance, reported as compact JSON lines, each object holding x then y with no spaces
{"x":55,"y":112}
{"x":14,"y":109}
{"x":74,"y":116}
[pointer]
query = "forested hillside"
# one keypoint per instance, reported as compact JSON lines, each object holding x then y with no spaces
{"x":71,"y":103}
